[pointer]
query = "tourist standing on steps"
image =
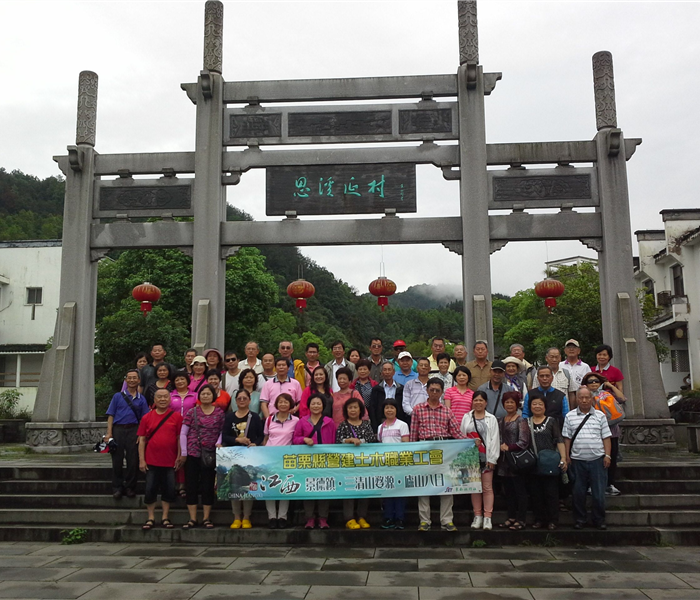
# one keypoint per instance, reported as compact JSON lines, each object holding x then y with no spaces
{"x":480,"y":367}
{"x":515,"y":437}
{"x":190,"y":353}
{"x":344,"y":393}
{"x":124,"y":414}
{"x":561,"y":379}
{"x":482,"y":427}
{"x":242,"y":427}
{"x":252,"y":361}
{"x":319,"y":385}
{"x":148,"y":373}
{"x":544,"y":489}
{"x":181,"y":400}
{"x":251,"y":382}
{"x":432,"y":420}
{"x":587,"y":441}
{"x":375,"y":358}
{"x":312,"y":430}
{"x":223,"y":398}
{"x":494,"y":389}
{"x":279,"y":431}
{"x":163,"y":380}
{"x":198,"y":379}
{"x":230,"y":381}
{"x":215,"y":360}
{"x":355,"y":430}
{"x":393,"y":431}
{"x":386,"y":389}
{"x":338,"y":362}
{"x":159,"y":456}
{"x":199,"y":437}
{"x":459,"y":397}
{"x":575,"y":367}
{"x":281,"y":382}
{"x":363,"y":383}
{"x":268,"y":363}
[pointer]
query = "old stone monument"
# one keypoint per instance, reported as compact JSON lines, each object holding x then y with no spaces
{"x":368,"y":180}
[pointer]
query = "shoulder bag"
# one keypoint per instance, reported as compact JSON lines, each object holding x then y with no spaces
{"x":520,"y":461}
{"x":547,"y":460}
{"x":207,"y":455}
{"x":131,"y":406}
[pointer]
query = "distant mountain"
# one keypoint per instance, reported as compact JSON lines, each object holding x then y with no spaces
{"x":426,"y":296}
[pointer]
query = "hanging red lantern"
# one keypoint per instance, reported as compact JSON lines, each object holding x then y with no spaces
{"x":301,"y":290}
{"x":382,"y":288}
{"x":550,"y":290}
{"x":146,"y":294}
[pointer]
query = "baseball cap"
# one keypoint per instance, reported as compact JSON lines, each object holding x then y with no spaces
{"x":404,"y":354}
{"x":572,"y":342}
{"x":399,"y":343}
{"x":498,"y":364}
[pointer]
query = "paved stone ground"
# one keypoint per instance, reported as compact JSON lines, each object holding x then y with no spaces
{"x":159,"y":571}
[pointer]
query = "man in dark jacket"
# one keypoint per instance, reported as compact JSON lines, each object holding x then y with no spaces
{"x":386,"y":388}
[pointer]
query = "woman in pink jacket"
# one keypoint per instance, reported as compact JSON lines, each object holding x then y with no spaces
{"x":312,"y":430}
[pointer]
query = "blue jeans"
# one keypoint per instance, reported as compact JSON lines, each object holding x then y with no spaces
{"x":589,"y":473}
{"x":394,"y":508}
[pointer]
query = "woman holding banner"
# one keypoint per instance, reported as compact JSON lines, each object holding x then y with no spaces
{"x":311,"y":430}
{"x":355,"y":430}
{"x":279,"y":431}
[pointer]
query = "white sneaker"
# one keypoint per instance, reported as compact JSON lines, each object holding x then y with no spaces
{"x":487,"y":523}
{"x":478,"y":522}
{"x":611,"y":490}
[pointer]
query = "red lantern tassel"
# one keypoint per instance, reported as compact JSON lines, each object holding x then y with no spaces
{"x":301,"y":304}
{"x":383,"y":301}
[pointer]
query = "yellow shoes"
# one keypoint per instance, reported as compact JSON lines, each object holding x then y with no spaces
{"x":352,"y":524}
{"x":247,"y":524}
{"x":236,"y":524}
{"x":364,"y":524}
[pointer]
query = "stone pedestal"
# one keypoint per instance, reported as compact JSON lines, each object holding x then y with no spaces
{"x":61,"y":438}
{"x":647,"y":434}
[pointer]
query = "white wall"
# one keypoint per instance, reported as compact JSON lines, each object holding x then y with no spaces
{"x":29,"y":267}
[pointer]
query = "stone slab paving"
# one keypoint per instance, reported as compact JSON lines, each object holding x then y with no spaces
{"x":189,"y":572}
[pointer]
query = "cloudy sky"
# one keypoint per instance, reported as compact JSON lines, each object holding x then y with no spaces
{"x":143,"y":51}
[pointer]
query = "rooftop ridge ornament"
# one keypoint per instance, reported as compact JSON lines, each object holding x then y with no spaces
{"x":604,"y":90}
{"x":86,"y":124}
{"x":468,"y":32}
{"x":213,"y":36}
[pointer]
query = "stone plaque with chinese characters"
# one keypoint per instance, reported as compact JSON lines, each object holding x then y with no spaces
{"x":341,"y":189}
{"x":145,"y":197}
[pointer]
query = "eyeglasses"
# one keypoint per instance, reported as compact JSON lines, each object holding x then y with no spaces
{"x":376,"y":345}
{"x":593,"y":381}
{"x":285,"y":347}
{"x":231,"y":359}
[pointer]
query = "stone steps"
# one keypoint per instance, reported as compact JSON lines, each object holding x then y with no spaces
{"x":104,"y":500}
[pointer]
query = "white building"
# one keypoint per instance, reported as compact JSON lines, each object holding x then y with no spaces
{"x":30,"y":273}
{"x":668,"y":267}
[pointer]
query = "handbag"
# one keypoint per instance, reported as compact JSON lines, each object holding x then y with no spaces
{"x":547,"y":460}
{"x":207,"y":455}
{"x":520,"y":461}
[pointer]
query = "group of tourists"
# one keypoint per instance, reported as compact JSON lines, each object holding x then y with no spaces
{"x":534,"y":427}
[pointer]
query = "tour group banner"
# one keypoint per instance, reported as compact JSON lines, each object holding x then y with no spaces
{"x":328,"y":471}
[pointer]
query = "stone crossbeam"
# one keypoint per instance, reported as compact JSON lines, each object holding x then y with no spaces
{"x":328,"y":90}
{"x":566,"y":225}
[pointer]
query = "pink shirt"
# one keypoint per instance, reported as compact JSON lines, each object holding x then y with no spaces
{"x":339,"y":400}
{"x":460,"y":404}
{"x":280,"y":433}
{"x":180,"y":404}
{"x":273,"y":388}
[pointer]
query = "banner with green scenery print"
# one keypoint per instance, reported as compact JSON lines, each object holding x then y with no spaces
{"x":346,"y":471}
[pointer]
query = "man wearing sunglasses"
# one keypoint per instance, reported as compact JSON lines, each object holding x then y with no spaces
{"x":229,"y":381}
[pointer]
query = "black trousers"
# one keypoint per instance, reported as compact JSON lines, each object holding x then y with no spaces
{"x":515,"y":490}
{"x":159,"y":479}
{"x":125,"y":438}
{"x":544,"y":491}
{"x":199,"y":479}
{"x":614,"y":451}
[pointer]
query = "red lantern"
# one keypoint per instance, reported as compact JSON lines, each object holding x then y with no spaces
{"x":382,"y":287}
{"x":146,"y":294}
{"x":300,"y":289}
{"x":550,"y":290}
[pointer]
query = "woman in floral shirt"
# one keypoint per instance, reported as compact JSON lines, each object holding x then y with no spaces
{"x":201,"y":429}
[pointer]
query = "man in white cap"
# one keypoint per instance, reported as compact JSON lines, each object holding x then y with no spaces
{"x":405,"y":373}
{"x":575,"y":367}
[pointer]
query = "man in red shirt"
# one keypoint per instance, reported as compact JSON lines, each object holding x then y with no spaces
{"x":159,"y":455}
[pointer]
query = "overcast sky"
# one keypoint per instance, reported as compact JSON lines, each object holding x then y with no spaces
{"x":143,"y":51}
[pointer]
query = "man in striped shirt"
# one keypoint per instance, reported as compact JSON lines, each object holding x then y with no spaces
{"x":587,"y":441}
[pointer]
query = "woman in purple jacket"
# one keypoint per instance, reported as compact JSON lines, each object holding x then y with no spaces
{"x":311,"y":430}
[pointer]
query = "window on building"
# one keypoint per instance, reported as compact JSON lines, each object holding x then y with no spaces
{"x":648,"y":287}
{"x":34,"y":295}
{"x":680,"y":361}
{"x":677,"y":275}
